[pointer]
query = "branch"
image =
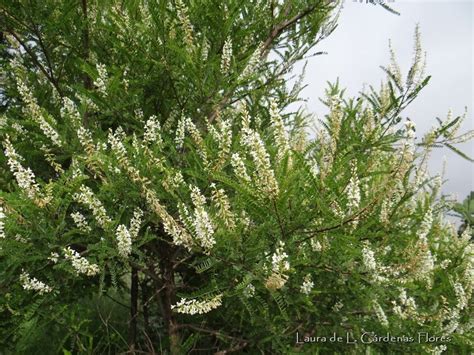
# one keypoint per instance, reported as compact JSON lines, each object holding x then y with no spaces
{"x":85,"y":54}
{"x":274,"y":34}
{"x":36,"y":61}
{"x":213,"y":332}
{"x":132,"y":326}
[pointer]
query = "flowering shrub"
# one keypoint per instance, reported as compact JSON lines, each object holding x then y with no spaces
{"x":153,"y":162}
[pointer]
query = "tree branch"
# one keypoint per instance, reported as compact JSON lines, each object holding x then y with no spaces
{"x":36,"y":61}
{"x":274,"y":34}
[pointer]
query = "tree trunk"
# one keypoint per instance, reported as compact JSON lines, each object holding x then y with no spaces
{"x":168,"y":296}
{"x":132,"y":327}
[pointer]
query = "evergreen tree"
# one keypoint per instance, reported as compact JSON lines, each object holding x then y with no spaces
{"x":158,"y":195}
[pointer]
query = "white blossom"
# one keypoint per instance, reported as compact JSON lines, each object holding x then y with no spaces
{"x":79,"y":263}
{"x":280,"y":267}
{"x":102,"y":79}
{"x":368,"y":258}
{"x":280,"y":134}
{"x":182,"y":12}
{"x":379,"y":312}
{"x":202,"y":223}
{"x":194,"y":306}
{"x":425,"y":226}
{"x":226,"y":55}
{"x":316,"y":245}
{"x":136,"y":222}
{"x":124,"y":241}
{"x":2,"y":223}
{"x":307,"y":285}
{"x":438,"y":350}
{"x":34,"y":111}
{"x":264,"y":174}
{"x":353,"y":191}
{"x":445,"y":263}
{"x":249,"y":291}
{"x":222,"y":203}
{"x":371,"y":265}
{"x":54,"y":257}
{"x":24,"y":176}
{"x":87,"y":198}
{"x":252,"y":63}
{"x":81,"y":222}
{"x":239,"y":167}
{"x":32,"y":284}
{"x":337,"y":306}
{"x":70,"y":111}
{"x":204,"y":50}
{"x":152,"y":131}
{"x":180,"y":132}
{"x":460,"y":296}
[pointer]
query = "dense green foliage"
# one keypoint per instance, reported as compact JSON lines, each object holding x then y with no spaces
{"x":158,"y":195}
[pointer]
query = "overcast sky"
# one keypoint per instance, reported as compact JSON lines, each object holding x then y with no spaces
{"x":360,"y":45}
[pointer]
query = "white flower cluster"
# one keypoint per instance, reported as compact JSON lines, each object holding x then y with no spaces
{"x":394,"y":68}
{"x":410,"y":128}
{"x":226,"y":55}
{"x":368,"y":258}
{"x":32,"y":284}
{"x":264,"y":174}
{"x":202,"y":224}
{"x":69,"y":110}
{"x":280,"y":267}
{"x":316,"y":245}
{"x":221,"y":201}
{"x":249,"y":291}
{"x":81,"y":222}
{"x":124,"y":241}
{"x":425,"y":226}
{"x":223,"y":137}
{"x":24,"y":176}
{"x":194,"y":306}
{"x":353,"y":191}
{"x":173,"y":180}
{"x":426,"y":265}
{"x":239,"y":167}
{"x":460,"y":296}
{"x":87,"y":197}
{"x":253,"y":63}
{"x":371,"y":265}
{"x":407,"y":307}
{"x":2,"y":223}
{"x":379,"y":312}
{"x":152,"y":131}
{"x":307,"y":285}
{"x":34,"y":111}
{"x":281,"y":136}
{"x":204,"y":50}
{"x":185,"y":124}
{"x":182,"y":12}
{"x":54,"y":257}
{"x":389,"y":202}
{"x":445,"y":263}
{"x":180,"y":133}
{"x":416,"y":74}
{"x":102,"y":79}
{"x":438,"y":350}
{"x":136,"y":222}
{"x":115,"y":141}
{"x":80,"y":264}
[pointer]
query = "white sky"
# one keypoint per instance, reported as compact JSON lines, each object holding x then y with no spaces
{"x":359,"y":46}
